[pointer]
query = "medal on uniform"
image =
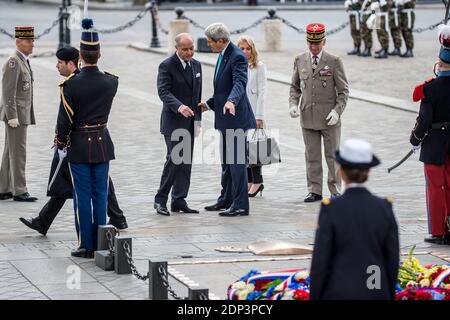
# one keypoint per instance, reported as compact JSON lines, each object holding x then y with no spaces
{"x":26,"y":86}
{"x":324,"y":84}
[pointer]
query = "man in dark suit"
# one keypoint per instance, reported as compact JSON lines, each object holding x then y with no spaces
{"x":233,"y":117}
{"x":180,"y":89}
{"x":60,"y":182}
{"x":356,"y":249}
{"x":432,"y":132}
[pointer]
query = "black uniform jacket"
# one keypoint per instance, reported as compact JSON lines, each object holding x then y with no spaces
{"x":357,"y":238}
{"x":86,"y":101}
{"x":433,"y":123}
{"x":176,"y":86}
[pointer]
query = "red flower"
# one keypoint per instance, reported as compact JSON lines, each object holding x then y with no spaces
{"x":301,"y":295}
{"x":423,"y":295}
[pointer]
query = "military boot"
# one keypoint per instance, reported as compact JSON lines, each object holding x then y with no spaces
{"x":407,"y":54}
{"x":383,"y":54}
{"x":355,"y":51}
{"x":395,"y":52}
{"x":378,"y":51}
{"x":366,"y":53}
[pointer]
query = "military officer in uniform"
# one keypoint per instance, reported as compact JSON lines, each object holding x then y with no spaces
{"x":353,"y":8}
{"x":16,"y":110}
{"x":318,"y":95}
{"x":394,"y":28}
{"x":431,"y":134}
{"x":406,"y":20}
{"x":83,"y":136}
{"x":60,"y":183}
{"x":356,"y":236}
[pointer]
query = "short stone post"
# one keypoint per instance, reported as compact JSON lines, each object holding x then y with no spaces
{"x":272,"y":28}
{"x":176,"y":26}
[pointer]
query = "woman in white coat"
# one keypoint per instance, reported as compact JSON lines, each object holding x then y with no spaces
{"x":256,"y":90}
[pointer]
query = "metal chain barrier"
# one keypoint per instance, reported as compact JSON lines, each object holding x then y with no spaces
{"x":130,"y":261}
{"x":165,"y":280}
{"x":6,"y":33}
{"x":429,"y":28}
{"x":237,"y":31}
{"x":109,"y":236}
{"x":47,"y":31}
{"x":158,"y":21}
{"x":131,"y":23}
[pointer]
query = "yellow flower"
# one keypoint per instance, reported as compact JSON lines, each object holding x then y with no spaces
{"x":425,"y":283}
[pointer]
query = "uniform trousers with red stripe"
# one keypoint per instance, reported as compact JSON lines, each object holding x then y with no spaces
{"x":437,"y":179}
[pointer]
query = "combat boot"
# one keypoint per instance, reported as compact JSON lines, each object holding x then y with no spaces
{"x":378,"y":51}
{"x":356,"y":51}
{"x":366,"y":53}
{"x":383,"y":54}
{"x":407,"y":54}
{"x":395,"y":52}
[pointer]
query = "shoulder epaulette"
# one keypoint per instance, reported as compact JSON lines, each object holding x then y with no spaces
{"x":326,"y":201}
{"x":67,"y":78}
{"x":389,"y":200}
{"x":110,"y":74}
{"x":418,"y":90}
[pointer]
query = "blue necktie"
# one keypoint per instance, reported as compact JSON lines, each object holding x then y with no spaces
{"x":219,"y":61}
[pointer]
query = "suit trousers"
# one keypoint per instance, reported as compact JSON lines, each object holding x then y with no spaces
{"x":176,"y":174}
{"x":90,"y":200}
{"x":234,"y":178}
{"x":54,"y":205}
{"x":12,"y":172}
{"x":254,"y":174}
{"x":437,"y":179}
{"x":313,"y":156}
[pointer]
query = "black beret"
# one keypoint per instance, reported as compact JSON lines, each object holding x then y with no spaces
{"x":67,"y":53}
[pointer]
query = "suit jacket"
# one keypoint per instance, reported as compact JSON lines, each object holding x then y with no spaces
{"x":17,"y":91}
{"x":320,"y":91}
{"x":230,"y":85}
{"x":86,"y":101}
{"x":256,"y":89}
{"x":356,"y":231}
{"x":434,"y":122}
{"x":175,"y":89}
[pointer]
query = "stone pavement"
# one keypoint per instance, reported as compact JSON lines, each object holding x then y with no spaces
{"x":36,"y":267}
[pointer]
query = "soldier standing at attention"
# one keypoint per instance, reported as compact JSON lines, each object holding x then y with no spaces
{"x":406,"y":19}
{"x":353,"y":8}
{"x":83,"y":136}
{"x":16,"y":110}
{"x":366,"y":33}
{"x":395,"y":28}
{"x":382,"y":31}
{"x":319,"y":88}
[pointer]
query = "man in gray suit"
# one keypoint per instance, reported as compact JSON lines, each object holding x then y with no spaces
{"x":319,"y":88}
{"x":16,"y":110}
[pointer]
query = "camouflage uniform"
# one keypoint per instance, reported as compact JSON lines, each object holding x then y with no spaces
{"x":394,"y":25}
{"x":382,"y":31}
{"x":354,"y":16}
{"x":366,"y":33}
{"x":406,"y":12}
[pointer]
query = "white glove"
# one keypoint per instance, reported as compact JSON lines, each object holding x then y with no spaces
{"x":14,"y":123}
{"x":399,"y":3}
{"x":371,"y":21}
{"x":333,"y":118}
{"x":293,"y":111}
{"x":415,"y":148}
{"x":62,"y":153}
{"x":347,"y":4}
{"x":374,"y":6}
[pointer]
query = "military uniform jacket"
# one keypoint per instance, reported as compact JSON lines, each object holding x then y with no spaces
{"x":17,"y":91}
{"x":433,"y":123}
{"x":357,"y":232}
{"x":320,"y":91}
{"x":86,"y":101}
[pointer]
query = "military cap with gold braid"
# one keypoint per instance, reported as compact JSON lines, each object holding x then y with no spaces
{"x":315,"y":32}
{"x":24,"y":32}
{"x":89,"y":37}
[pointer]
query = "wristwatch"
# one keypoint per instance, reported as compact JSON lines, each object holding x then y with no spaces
{"x":232,"y":101}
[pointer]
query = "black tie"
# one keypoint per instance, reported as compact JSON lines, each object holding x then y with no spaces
{"x":29,"y":66}
{"x":188,"y":70}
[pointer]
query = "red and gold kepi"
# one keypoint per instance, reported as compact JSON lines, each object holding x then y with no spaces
{"x":24,"y":33}
{"x":315,"y":32}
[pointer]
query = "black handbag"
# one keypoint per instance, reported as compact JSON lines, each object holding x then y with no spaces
{"x":262,"y":149}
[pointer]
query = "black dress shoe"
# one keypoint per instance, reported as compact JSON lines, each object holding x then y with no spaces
{"x":6,"y":196}
{"x":312,"y":197}
{"x":24,"y":197}
{"x":216,"y":207}
{"x":82,"y":253}
{"x":437,"y":240}
{"x":161,"y":209}
{"x":121,"y":225}
{"x":395,"y":52}
{"x":182,"y":208}
{"x":33,"y":224}
{"x":234,"y":212}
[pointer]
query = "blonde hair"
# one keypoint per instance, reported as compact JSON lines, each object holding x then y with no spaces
{"x":253,"y":61}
